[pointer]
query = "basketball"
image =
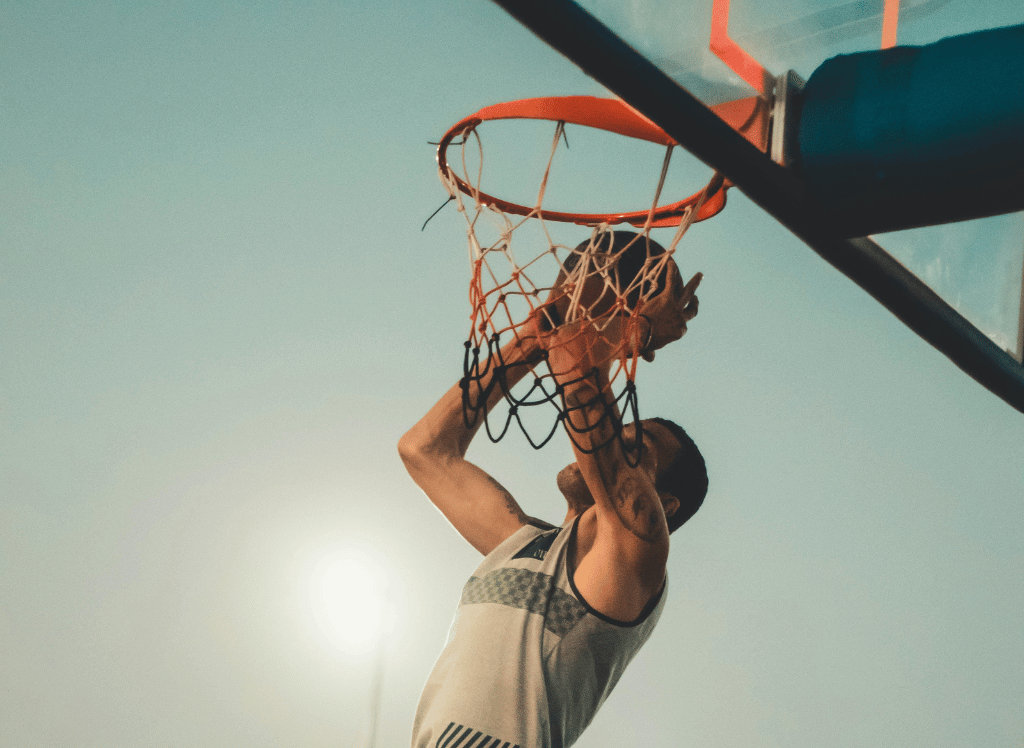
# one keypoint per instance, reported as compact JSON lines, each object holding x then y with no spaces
{"x":595,"y":277}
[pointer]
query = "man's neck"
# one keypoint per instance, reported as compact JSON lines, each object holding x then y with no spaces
{"x":574,"y":512}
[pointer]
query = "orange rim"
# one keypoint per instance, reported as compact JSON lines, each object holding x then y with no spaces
{"x":614,"y":116}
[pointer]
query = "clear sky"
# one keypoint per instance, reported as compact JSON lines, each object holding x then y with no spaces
{"x":218,"y":314}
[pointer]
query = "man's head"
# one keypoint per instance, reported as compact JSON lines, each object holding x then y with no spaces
{"x":672,"y":460}
{"x":684,"y":476}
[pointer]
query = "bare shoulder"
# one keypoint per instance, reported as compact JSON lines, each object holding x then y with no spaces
{"x":615,"y":575}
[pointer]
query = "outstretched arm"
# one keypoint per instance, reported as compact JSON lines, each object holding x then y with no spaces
{"x":625,"y":566}
{"x":579,"y":357}
{"x":627,"y":504}
{"x":434,"y":453}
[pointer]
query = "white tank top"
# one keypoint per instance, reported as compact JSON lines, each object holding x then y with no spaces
{"x":527,"y":663}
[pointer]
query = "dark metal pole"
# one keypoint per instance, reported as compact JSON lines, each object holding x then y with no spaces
{"x":618,"y":67}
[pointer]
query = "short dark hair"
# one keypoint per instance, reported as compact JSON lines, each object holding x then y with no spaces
{"x":631,"y":263}
{"x":686,"y":477}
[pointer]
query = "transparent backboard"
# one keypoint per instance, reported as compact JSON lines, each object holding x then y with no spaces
{"x":977,"y":266}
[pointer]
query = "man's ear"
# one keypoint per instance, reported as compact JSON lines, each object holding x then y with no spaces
{"x":670,"y":502}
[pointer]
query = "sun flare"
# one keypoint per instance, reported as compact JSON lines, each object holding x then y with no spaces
{"x":348,"y":593}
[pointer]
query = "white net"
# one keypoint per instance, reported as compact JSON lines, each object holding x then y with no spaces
{"x":520,"y":274}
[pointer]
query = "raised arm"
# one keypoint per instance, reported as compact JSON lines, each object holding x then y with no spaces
{"x":627,"y":505}
{"x":434,"y":453}
{"x":625,"y":565}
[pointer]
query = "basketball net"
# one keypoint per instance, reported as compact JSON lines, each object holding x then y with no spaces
{"x":512,"y":288}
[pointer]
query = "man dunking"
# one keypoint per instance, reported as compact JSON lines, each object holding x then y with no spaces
{"x":552,"y":616}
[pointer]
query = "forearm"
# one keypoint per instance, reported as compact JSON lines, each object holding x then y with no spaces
{"x":580,"y":360}
{"x":448,"y":427}
{"x":618,"y":487}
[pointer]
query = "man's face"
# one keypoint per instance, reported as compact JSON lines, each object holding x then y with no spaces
{"x":659,"y":446}
{"x":658,"y":450}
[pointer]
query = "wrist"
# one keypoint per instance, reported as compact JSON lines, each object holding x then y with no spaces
{"x":524,"y":348}
{"x":577,"y":366}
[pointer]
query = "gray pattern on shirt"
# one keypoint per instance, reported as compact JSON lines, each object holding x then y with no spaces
{"x":528,"y":590}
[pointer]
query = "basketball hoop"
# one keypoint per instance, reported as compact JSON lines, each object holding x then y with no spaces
{"x":610,"y":115}
{"x":588,"y":285}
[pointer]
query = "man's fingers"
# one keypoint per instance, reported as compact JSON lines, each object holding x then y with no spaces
{"x":691,"y":286}
{"x":690,"y":311}
{"x":672,"y":280}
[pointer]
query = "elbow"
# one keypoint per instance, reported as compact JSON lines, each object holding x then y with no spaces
{"x":410,"y":449}
{"x":421,"y":458}
{"x":427,"y":442}
{"x":413,"y":456}
{"x":418,"y":450}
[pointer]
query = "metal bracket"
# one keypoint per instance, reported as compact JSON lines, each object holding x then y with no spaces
{"x":785,"y":118}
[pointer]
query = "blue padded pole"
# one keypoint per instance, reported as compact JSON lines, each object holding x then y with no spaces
{"x":916,"y":136}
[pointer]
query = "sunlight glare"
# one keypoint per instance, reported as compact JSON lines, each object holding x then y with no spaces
{"x":348,"y":592}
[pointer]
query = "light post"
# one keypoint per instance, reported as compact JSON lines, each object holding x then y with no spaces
{"x":376,"y":689}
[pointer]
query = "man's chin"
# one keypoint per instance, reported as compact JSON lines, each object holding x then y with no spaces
{"x":578,"y":507}
{"x":574,"y":488}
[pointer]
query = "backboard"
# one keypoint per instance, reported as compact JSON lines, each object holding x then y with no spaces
{"x":960,"y":286}
{"x":698,"y":42}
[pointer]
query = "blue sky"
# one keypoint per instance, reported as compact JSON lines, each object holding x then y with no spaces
{"x":218,"y":314}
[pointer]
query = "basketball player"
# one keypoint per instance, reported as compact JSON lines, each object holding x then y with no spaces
{"x":554,"y":613}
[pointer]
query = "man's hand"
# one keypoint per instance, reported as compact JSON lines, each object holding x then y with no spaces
{"x":670,"y":310}
{"x":663,"y":321}
{"x":579,"y":347}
